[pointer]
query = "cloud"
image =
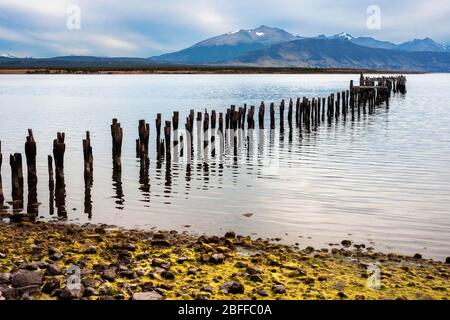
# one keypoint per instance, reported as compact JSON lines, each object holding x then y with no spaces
{"x":145,"y":28}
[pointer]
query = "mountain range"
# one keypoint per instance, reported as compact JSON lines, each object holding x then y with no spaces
{"x":274,"y":47}
{"x":251,"y":47}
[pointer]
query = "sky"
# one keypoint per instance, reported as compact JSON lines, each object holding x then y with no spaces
{"x":138,"y":28}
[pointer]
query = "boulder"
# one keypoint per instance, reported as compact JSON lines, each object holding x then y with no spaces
{"x":23,"y":278}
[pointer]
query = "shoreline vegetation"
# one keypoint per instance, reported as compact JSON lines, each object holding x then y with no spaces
{"x":113,"y":263}
{"x":195,"y":70}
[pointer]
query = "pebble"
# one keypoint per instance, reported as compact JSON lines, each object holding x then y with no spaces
{"x":148,"y":295}
{"x":217,"y":258}
{"x":346,"y":243}
{"x":232,"y":287}
{"x":279,"y":289}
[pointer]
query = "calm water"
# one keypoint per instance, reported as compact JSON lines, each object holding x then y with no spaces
{"x":382,"y":180}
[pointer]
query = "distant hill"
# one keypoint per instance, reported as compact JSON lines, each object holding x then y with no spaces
{"x":341,"y":53}
{"x":227,"y":46}
{"x":426,"y":44}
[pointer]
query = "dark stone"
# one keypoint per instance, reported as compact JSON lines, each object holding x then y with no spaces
{"x":346,"y":243}
{"x":418,"y":256}
{"x":11,"y":293}
{"x":129,"y":246}
{"x":56,"y":256}
{"x":71,"y":294}
{"x":192,"y":271}
{"x":161,"y":243}
{"x":207,"y":289}
{"x":28,"y":290}
{"x":5,"y":278}
{"x":89,"y":292}
{"x":129,"y":274}
{"x":32,"y":266}
{"x":254,"y":270}
{"x":256,"y":278}
{"x":447,"y":260}
{"x":119,"y":296}
{"x":23,"y":278}
{"x":230,"y":235}
{"x":232,"y":287}
{"x":279,"y":289}
{"x":53,"y":270}
{"x":51,"y":285}
{"x":263,"y":292}
{"x":148,"y":295}
{"x":309,"y":280}
{"x":217,"y":258}
{"x":167,"y":275}
{"x":182,"y":260}
{"x":90,"y":250}
{"x":109,"y":274}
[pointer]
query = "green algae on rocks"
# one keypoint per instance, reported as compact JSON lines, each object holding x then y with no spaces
{"x":63,"y":261}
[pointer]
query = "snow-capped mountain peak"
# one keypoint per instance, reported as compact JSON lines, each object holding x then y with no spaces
{"x":344,"y":35}
{"x":7,"y":55}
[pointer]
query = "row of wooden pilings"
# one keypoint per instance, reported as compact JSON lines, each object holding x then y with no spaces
{"x":307,"y":115}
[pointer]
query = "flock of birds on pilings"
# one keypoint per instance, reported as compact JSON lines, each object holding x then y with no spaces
{"x":306,"y":115}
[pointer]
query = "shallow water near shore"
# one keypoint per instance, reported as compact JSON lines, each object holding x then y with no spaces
{"x":382,"y":180}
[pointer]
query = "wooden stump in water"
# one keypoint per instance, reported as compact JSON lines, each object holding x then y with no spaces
{"x":117,"y":135}
{"x":59,"y":148}
{"x":272,"y":116}
{"x":51,"y":184}
{"x":30,"y":152}
{"x":88,"y":158}
{"x":15,"y":162}
{"x":261,"y":115}
{"x":142,"y":142}
{"x":2,"y":197}
{"x":167,"y":134}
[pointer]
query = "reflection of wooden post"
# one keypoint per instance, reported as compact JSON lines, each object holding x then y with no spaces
{"x":117,"y":134}
{"x":88,"y":158}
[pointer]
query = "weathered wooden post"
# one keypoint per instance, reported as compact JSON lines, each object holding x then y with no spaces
{"x":117,"y":134}
{"x":282,"y":114}
{"x":272,"y":116}
{"x":51,"y":184}
{"x":167,"y":133}
{"x":88,"y":158}
{"x":261,"y":115}
{"x":2,"y":197}
{"x":175,"y":121}
{"x":291,"y":105}
{"x":15,"y":162}
{"x":144,"y":137}
{"x":59,"y":148}
{"x":30,"y":152}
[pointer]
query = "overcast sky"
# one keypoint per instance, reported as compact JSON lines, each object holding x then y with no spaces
{"x":141,"y":28}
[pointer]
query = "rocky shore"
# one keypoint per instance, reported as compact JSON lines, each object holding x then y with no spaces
{"x":63,"y":261}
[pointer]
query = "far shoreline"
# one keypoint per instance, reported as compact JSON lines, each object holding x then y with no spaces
{"x":198,"y":70}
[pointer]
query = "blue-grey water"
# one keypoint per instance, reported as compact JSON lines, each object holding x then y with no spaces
{"x":382,"y":179}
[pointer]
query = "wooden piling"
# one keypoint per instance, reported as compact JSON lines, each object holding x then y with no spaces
{"x":2,"y":197}
{"x":261,"y":115}
{"x":272,"y":116}
{"x":88,"y":158}
{"x":15,"y":161}
{"x":117,"y":134}
{"x":59,"y":148}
